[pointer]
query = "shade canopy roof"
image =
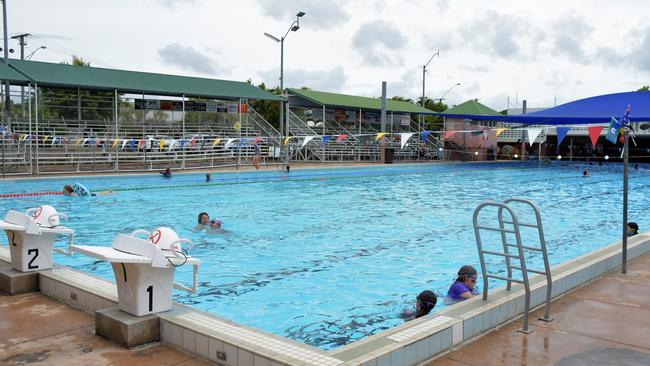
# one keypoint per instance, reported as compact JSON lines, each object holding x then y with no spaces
{"x":593,"y":110}
{"x":318,"y":98}
{"x":71,"y":76}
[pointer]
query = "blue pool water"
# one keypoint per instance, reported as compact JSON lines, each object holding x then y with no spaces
{"x":326,"y":257}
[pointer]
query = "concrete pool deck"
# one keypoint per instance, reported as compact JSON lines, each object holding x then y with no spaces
{"x":604,"y":322}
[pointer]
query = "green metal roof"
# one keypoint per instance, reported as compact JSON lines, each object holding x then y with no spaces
{"x":357,"y":102}
{"x":472,"y":107}
{"x":9,"y":74}
{"x":61,"y":75}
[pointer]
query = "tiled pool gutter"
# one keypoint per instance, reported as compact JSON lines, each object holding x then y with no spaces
{"x":228,"y":343}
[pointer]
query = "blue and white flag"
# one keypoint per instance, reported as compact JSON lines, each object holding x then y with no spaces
{"x":613,"y":130}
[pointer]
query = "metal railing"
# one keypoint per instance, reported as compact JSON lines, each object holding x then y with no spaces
{"x":506,"y":229}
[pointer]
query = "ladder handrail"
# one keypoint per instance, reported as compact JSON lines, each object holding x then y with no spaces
{"x":542,"y":242}
{"x":501,"y":206}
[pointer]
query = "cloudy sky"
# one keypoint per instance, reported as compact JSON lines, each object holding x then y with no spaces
{"x":542,"y":51}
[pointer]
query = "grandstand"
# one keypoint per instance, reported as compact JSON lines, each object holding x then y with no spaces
{"x":317,"y":113}
{"x":84,"y":119}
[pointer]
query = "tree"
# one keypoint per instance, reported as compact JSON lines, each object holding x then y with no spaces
{"x":268,"y":109}
{"x":644,"y":88}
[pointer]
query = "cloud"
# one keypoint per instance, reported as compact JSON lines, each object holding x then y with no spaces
{"x":331,"y":80}
{"x":474,"y":68}
{"x":571,"y":32}
{"x":635,"y":55}
{"x":319,"y":14}
{"x":188,"y":58}
{"x":439,"y":41}
{"x":174,"y":3}
{"x":378,"y":43}
{"x":500,"y":35}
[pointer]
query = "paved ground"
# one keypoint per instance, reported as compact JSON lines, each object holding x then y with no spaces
{"x":606,"y":322}
{"x":37,"y":330}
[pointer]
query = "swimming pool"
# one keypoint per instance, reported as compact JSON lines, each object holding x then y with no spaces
{"x":326,"y":257}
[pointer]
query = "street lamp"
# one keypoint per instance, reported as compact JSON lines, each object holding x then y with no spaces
{"x":447,"y":92}
{"x":292,"y":28}
{"x":29,"y":57}
{"x":424,"y":70}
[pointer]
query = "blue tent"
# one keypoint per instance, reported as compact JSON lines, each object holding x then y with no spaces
{"x":597,"y":109}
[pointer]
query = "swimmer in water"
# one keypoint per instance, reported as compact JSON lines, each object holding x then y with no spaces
{"x":68,"y":190}
{"x":167,"y":173}
{"x":424,"y":303}
{"x":208,"y":178}
{"x":204,"y":223}
{"x":585,"y":173}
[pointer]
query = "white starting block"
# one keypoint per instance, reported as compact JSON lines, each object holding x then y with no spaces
{"x":31,"y":238}
{"x":144,"y":269}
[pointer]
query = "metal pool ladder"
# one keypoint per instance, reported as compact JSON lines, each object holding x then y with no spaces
{"x":520,"y":254}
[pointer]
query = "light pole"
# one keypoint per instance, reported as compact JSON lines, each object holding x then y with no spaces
{"x":424,"y":71}
{"x":29,"y":57}
{"x":447,"y":92}
{"x":292,"y":28}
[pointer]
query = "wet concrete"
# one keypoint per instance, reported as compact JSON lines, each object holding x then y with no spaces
{"x":37,"y":330}
{"x":605,"y":322}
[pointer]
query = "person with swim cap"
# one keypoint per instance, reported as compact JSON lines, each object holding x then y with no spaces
{"x":424,"y":303}
{"x":68,"y":190}
{"x":632,"y":228}
{"x":167,"y":173}
{"x":463,"y":287}
{"x":205,"y":222}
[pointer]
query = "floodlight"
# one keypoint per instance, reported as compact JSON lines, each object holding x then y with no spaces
{"x":295,"y":28}
{"x":272,"y":37}
{"x":300,"y":14}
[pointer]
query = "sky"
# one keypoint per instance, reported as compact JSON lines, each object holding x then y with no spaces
{"x":547,"y":52}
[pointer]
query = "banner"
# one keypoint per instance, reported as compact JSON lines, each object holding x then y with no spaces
{"x":613,"y":130}
{"x":404,"y":137}
{"x":306,"y":140}
{"x":532,"y":134}
{"x":561,"y":134}
{"x":594,"y":134}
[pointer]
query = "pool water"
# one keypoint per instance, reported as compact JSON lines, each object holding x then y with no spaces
{"x":327,"y":257}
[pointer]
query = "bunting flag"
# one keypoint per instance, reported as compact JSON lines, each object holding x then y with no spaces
{"x":363,"y":139}
{"x":326,"y":139}
{"x":237,"y":126}
{"x":115,"y":142}
{"x":141,"y":143}
{"x":78,"y":141}
{"x":83,"y":143}
{"x":45,"y":139}
{"x":561,"y":134}
{"x":53,"y":140}
{"x":341,"y":137}
{"x":532,"y":134}
{"x":306,"y":140}
{"x":499,"y":130}
{"x":380,"y":135}
{"x":172,"y":143}
{"x":424,"y":135}
{"x":228,"y":143}
{"x":124,"y":143}
{"x":182,"y":143}
{"x":594,"y":134}
{"x":286,"y":140}
{"x":193,"y":142}
{"x":613,"y":130}
{"x":404,"y":137}
{"x":161,"y":145}
{"x":215,"y":142}
{"x":132,"y":144}
{"x":449,"y":134}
